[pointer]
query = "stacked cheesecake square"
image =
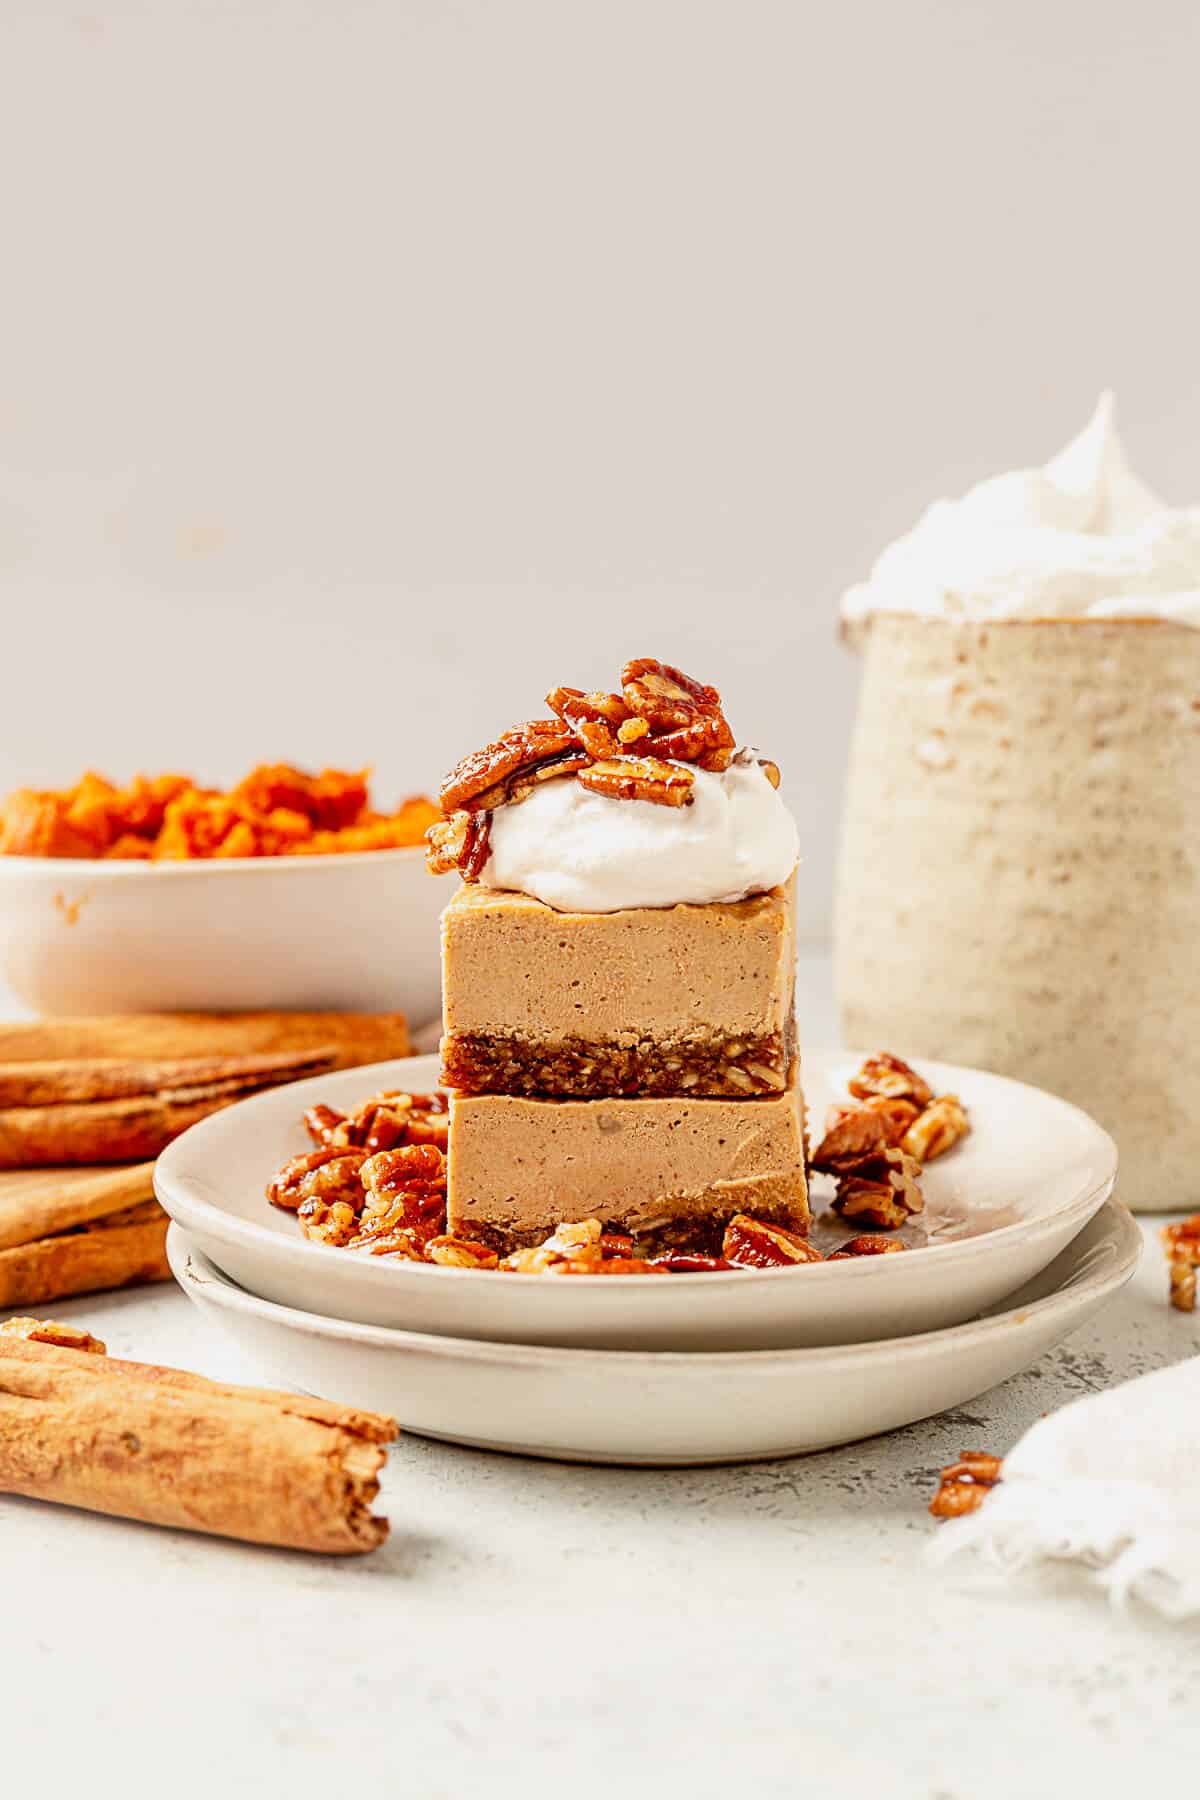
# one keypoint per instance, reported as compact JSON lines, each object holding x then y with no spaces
{"x":637,"y":1066}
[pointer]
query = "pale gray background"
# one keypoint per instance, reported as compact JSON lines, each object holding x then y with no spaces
{"x":368,"y":367}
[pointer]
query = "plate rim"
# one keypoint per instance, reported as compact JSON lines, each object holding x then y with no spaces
{"x":1124,"y":1233}
{"x":226,"y":1227}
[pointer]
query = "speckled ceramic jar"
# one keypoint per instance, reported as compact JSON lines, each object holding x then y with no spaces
{"x":1019,"y":882}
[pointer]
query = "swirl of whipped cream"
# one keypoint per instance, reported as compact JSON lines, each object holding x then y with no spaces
{"x":584,"y":852}
{"x":1080,"y":538}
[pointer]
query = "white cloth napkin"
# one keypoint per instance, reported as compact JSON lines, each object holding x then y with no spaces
{"x":1112,"y":1481}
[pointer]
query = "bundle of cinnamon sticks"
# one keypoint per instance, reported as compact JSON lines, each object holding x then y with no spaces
{"x":79,"y":1095}
{"x":166,"y":1447}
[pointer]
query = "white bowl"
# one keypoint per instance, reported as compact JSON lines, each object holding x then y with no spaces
{"x":1000,"y":1207}
{"x":349,"y":933}
{"x":616,"y":1406}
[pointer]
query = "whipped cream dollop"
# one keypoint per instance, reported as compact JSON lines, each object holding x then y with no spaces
{"x":1080,"y":538}
{"x":584,"y":852}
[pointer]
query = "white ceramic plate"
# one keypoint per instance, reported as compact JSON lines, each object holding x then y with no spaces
{"x":661,"y":1407}
{"x":1000,"y":1207}
{"x":355,"y":932}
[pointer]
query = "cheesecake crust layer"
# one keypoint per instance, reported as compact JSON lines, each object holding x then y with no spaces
{"x":655,"y":1168}
{"x":580,"y":1068}
{"x":654,"y":1000}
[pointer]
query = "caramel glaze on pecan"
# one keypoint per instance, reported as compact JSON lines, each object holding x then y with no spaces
{"x":486,"y":776}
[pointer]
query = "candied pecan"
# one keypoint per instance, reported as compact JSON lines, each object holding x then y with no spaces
{"x":327,"y":1127}
{"x":851,"y":1137}
{"x":328,"y":1221}
{"x":477,"y":846}
{"x":966,"y":1484}
{"x":389,"y":1172}
{"x":1182,"y":1244}
{"x":639,"y":778}
{"x":400,"y":1245}
{"x":882,"y":1191}
{"x":460,"y":1253}
{"x":632,"y":731}
{"x":691,"y":1262}
{"x":446,"y":843}
{"x":867,"y":1246}
{"x":329,"y":1174}
{"x":663,"y":695}
{"x":49,"y":1331}
{"x":617,"y":1265}
{"x":937,"y":1129}
{"x":490,"y":776}
{"x":755,"y":1244}
{"x":594,"y":718}
{"x":894,"y":1080}
{"x":578,"y":1241}
{"x":707,"y":741}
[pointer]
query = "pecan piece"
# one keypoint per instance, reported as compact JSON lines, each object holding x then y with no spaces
{"x":966,"y":1484}
{"x":461,"y":1253}
{"x":852,"y":1135}
{"x":1182,"y":1244}
{"x":691,"y":1262}
{"x":894,"y":1080}
{"x":462,"y":842}
{"x":490,"y":777}
{"x":328,"y":1221}
{"x":937,"y":1129}
{"x":327,"y":1127}
{"x":867,"y":1246}
{"x":617,"y":1265}
{"x":596,"y":719}
{"x":328,"y":1174}
{"x":639,"y":778}
{"x":882,"y":1191}
{"x":707,"y":741}
{"x":446,"y":843}
{"x":754,"y":1244}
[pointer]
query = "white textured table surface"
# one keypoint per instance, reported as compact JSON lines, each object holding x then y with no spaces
{"x":538,"y":1629}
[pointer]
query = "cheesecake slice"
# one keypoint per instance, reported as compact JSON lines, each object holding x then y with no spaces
{"x":663,"y":1170}
{"x":653,"y":1001}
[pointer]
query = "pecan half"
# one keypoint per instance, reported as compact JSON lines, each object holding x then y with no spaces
{"x":867,"y":1246}
{"x":684,"y":716}
{"x":329,"y":1221}
{"x":446,"y":843}
{"x":520,"y":757}
{"x":691,"y":1262}
{"x":663,"y":695}
{"x":882,"y":1191}
{"x":640,"y":778}
{"x":937,"y":1129}
{"x":753,"y":1244}
{"x":887,"y":1075}
{"x":328,"y":1174}
{"x":966,"y":1484}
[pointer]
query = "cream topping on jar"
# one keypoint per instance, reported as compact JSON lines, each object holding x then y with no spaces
{"x":1081,"y":537}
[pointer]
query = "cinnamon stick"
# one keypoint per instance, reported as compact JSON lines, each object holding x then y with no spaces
{"x":74,"y":1079}
{"x":112,"y":1131}
{"x":169,"y":1448}
{"x":352,"y":1038}
{"x":37,"y":1203}
{"x":123,"y":1250}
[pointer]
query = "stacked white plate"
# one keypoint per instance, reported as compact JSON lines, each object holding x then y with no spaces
{"x":1019,"y":1244}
